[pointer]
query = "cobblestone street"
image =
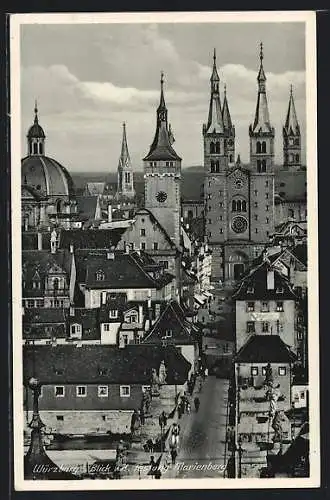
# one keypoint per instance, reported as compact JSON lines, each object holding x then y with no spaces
{"x":202,"y":445}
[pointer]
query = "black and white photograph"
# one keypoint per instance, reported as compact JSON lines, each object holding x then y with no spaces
{"x":164,"y":230}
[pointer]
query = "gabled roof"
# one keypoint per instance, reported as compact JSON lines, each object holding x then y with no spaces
{"x":265,"y":349}
{"x":172,"y":319}
{"x":256,"y":280}
{"x":145,"y":211}
{"x":95,"y":364}
{"x":43,"y":262}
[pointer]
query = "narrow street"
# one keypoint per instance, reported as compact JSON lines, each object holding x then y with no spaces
{"x":202,"y":440}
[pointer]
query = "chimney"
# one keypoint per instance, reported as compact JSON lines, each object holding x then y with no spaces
{"x":270,"y":280}
{"x":71,"y":248}
{"x":109,"y":213}
{"x":110,"y":255}
{"x":39,"y":236}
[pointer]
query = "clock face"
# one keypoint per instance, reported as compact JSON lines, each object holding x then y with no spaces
{"x":239,"y":224}
{"x":238,"y":184}
{"x":161,"y":196}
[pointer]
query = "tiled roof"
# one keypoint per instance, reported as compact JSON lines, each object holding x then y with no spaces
{"x":94,"y":188}
{"x":44,"y":315}
{"x":92,"y":364}
{"x":173,"y":319}
{"x":257,"y":280}
{"x":87,"y":206}
{"x":89,"y":319}
{"x":265,"y":349}
{"x":125,"y":270}
{"x":300,"y":252}
{"x":91,"y":238}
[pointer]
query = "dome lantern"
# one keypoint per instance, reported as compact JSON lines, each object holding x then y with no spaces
{"x":36,"y":136}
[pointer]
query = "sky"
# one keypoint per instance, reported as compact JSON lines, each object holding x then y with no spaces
{"x":90,"y":78}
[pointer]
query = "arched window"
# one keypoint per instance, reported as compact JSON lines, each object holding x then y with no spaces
{"x":41,"y":149}
{"x":261,"y":166}
{"x":217,"y":147}
{"x":212,"y":148}
{"x":35,"y":148}
{"x":263,"y":148}
{"x":297,"y":158}
{"x":238,"y":205}
{"x":30,"y":148}
{"x":58,"y":206}
{"x":99,"y":275}
{"x":231,"y":158}
{"x":291,"y":158}
{"x":233,"y":206}
{"x":243,"y":206}
{"x":258,"y":166}
{"x":217,"y":166}
{"x":56,"y":284}
{"x":258,"y":147}
{"x":212,"y":166}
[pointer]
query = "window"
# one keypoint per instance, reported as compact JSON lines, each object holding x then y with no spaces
{"x":291,"y":213}
{"x":280,"y":290}
{"x":256,"y":217}
{"x":221,"y":230}
{"x":254,"y":371}
{"x":282,"y":370}
{"x":29,"y":303}
{"x":267,"y":196}
{"x":264,"y":370}
{"x":250,"y":306}
{"x":142,"y":232}
{"x":209,"y":196}
{"x":75,"y":329}
{"x":143,"y":246}
{"x":255,"y":204}
{"x":59,"y":391}
{"x":220,"y":217}
{"x":266,"y":184}
{"x":125,"y":339}
{"x":217,"y":147}
{"x":39,"y":303}
{"x":221,"y":204}
{"x":267,"y":208}
{"x":164,"y":263}
{"x":263,"y":147}
{"x":113,"y":313}
{"x":255,"y":192}
{"x":100,"y":276}
{"x":212,"y":148}
{"x":168,"y":334}
{"x":300,"y":335}
{"x":264,"y":307}
{"x":145,"y":388}
{"x":102,"y":391}
{"x":258,"y":148}
{"x":279,"y":326}
{"x":279,"y":307}
{"x":155,"y":245}
{"x":302,"y":395}
{"x":125,"y":391}
{"x":265,"y":327}
{"x":35,"y":148}
{"x":267,"y":220}
{"x":106,"y":327}
{"x":250,"y":327}
{"x":127,"y":177}
{"x":210,"y":221}
{"x":81,"y":391}
{"x":256,"y":230}
{"x":60,"y":418}
{"x":250,"y":289}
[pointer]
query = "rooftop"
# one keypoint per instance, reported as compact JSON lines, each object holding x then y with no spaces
{"x":265,"y":349}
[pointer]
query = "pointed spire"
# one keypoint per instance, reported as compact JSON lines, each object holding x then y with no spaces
{"x":225,"y":111}
{"x":291,"y":122}
{"x":215,"y":122}
{"x":238,"y":161}
{"x":161,"y":147}
{"x":261,"y":120}
{"x":124,"y":160}
{"x":36,"y":112}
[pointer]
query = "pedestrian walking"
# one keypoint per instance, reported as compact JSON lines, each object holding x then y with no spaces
{"x":174,"y":454}
{"x":196,"y":403}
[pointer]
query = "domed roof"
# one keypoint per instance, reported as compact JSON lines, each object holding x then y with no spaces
{"x":36,"y":131}
{"x":47,"y":176}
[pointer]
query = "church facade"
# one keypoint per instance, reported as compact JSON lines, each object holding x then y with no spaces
{"x":239,"y":202}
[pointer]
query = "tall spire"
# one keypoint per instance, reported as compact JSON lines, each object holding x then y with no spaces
{"x":36,"y":112}
{"x":161,"y":147}
{"x":225,"y":111}
{"x":261,"y":120}
{"x":124,"y":159}
{"x":291,"y":122}
{"x":215,"y":122}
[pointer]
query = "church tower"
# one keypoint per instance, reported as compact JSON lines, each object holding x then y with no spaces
{"x":229,"y":130}
{"x":162,"y":174}
{"x":291,"y":138}
{"x":261,"y":132}
{"x":262,"y":185}
{"x":36,"y":136}
{"x":125,"y":183}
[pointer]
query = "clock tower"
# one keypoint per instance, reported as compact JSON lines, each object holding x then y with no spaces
{"x":162,"y":175}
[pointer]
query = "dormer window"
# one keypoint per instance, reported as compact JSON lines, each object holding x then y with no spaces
{"x":168,"y":334}
{"x":280,"y":290}
{"x":100,"y":275}
{"x":250,"y":289}
{"x":113,"y":313}
{"x":36,"y":284}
